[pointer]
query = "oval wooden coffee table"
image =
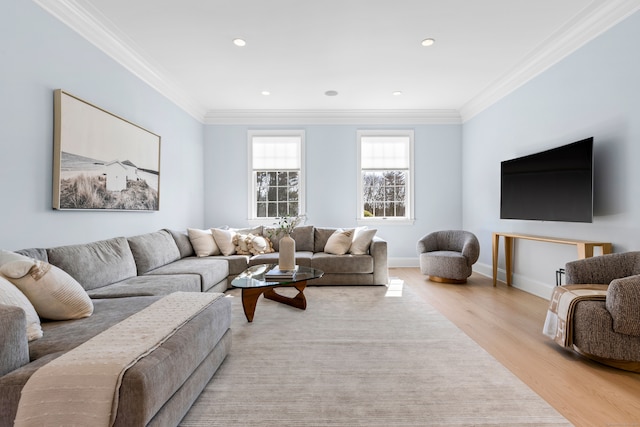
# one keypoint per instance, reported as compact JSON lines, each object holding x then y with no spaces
{"x":253,"y":282}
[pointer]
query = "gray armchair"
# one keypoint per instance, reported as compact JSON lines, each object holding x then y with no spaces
{"x":447,"y":256}
{"x":608,"y":331}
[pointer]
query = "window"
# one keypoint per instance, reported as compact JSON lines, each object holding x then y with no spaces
{"x":385,"y":184}
{"x":277,"y":175}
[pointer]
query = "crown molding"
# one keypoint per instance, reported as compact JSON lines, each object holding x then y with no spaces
{"x":331,"y":117}
{"x":586,"y":26}
{"x":591,"y":22}
{"x":106,"y":37}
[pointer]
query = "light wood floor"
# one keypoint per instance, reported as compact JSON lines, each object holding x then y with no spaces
{"x":507,"y":322}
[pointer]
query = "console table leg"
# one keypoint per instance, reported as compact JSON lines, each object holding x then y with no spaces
{"x":508,"y":257}
{"x":496,"y":244}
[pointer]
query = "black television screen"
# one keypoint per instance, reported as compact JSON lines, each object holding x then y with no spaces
{"x":553,"y":185}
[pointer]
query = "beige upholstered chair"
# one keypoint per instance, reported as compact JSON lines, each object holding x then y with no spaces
{"x":447,"y":256}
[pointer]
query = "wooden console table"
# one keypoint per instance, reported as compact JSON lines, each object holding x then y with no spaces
{"x":585,"y":249}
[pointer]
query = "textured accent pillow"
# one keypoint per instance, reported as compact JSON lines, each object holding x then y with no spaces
{"x":241,"y":242}
{"x":10,"y":295}
{"x":54,"y":294}
{"x":339,"y":242}
{"x":203,"y":242}
{"x":362,"y":238}
{"x":19,"y":264}
{"x":259,"y":245}
{"x":224,"y":240}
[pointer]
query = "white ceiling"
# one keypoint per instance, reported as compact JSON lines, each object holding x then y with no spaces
{"x":363,"y":49}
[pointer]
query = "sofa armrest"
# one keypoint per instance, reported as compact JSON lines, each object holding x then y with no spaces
{"x":602,"y":269}
{"x":378,"y":250}
{"x":623,"y":302}
{"x":14,"y":345}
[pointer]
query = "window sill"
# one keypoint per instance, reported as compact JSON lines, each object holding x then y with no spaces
{"x":385,"y":221}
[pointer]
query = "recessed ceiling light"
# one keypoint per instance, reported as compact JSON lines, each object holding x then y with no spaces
{"x":265,"y":93}
{"x":331,"y":93}
{"x":428,"y":42}
{"x":239,"y":42}
{"x":397,"y":93}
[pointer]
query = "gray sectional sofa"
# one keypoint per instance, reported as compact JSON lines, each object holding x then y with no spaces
{"x":124,"y":275}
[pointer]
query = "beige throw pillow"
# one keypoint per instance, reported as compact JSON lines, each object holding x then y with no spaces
{"x":53,"y":292}
{"x":362,"y":238}
{"x":224,"y":240}
{"x":19,"y":264}
{"x":203,"y":242}
{"x":339,"y":242}
{"x":10,"y":295}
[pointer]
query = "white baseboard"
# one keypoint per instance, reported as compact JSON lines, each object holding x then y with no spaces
{"x":541,"y":289}
{"x":403,"y":262}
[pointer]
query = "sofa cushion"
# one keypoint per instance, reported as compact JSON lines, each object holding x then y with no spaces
{"x":96,"y":264}
{"x":10,"y":295}
{"x":303,"y":235}
{"x":339,"y":242}
{"x":342,"y":264}
{"x":321,"y":235}
{"x":237,"y":263}
{"x":182,"y":241}
{"x":149,"y":285}
{"x":212,"y":270}
{"x":153,"y":250}
{"x":302,"y":258}
{"x":35,"y":253}
{"x":54,"y":293}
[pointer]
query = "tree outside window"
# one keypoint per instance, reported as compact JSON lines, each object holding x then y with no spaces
{"x":276,"y":169}
{"x":385,"y":174}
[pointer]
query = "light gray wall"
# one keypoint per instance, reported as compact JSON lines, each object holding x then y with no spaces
{"x":39,"y":54}
{"x":593,"y":92}
{"x":331,"y":174}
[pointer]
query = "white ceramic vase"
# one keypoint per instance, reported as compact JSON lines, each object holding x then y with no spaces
{"x":287,"y":253}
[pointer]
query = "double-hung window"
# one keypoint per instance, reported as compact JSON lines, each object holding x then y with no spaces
{"x":385,"y":184}
{"x":276,"y":163}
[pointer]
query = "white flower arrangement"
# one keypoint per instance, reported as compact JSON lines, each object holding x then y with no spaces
{"x":287,"y":223}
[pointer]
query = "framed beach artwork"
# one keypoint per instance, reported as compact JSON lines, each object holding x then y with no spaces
{"x":102,"y":161}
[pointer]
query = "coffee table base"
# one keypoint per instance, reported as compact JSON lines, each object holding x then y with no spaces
{"x":250,"y":297}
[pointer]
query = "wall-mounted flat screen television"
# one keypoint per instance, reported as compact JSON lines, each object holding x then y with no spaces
{"x":552,"y":185}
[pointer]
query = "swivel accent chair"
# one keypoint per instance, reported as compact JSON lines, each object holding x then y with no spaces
{"x":447,"y":256}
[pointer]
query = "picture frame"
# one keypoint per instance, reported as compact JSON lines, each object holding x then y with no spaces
{"x":102,"y":161}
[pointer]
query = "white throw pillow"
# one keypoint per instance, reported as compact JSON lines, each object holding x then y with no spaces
{"x":339,"y":242}
{"x":362,"y":238}
{"x":10,"y":295}
{"x":224,"y":240}
{"x":53,"y":292}
{"x":203,"y":242}
{"x":20,"y":264}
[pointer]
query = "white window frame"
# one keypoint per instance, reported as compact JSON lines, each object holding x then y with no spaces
{"x":409,"y":208}
{"x":252,"y":202}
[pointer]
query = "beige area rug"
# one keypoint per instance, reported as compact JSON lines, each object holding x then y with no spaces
{"x":356,"y":357}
